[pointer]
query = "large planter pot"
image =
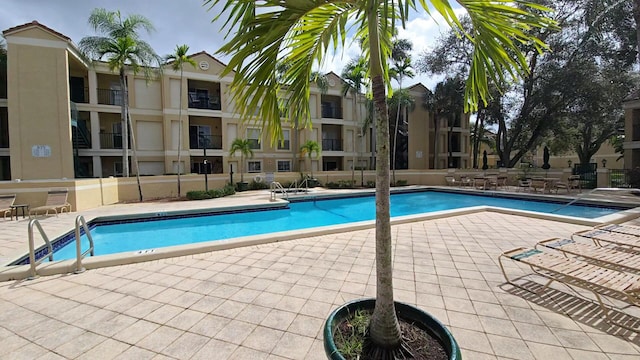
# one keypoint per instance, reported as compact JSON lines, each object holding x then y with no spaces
{"x":242,"y":186}
{"x":404,"y":311}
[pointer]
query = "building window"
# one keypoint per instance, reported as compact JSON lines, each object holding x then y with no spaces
{"x":285,"y":143}
{"x":254,"y":166}
{"x":284,"y":165}
{"x":253,"y":135}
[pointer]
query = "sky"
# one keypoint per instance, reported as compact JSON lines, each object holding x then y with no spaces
{"x":189,"y":22}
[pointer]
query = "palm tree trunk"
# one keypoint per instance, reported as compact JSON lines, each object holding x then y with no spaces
{"x":435,"y":140}
{"x":449,"y":145}
{"x":384,"y":328}
{"x":241,"y":167}
{"x":180,"y":134}
{"x":476,"y":138}
{"x":353,"y":148}
{"x":124,"y":108}
{"x":135,"y":156}
{"x":395,"y":141}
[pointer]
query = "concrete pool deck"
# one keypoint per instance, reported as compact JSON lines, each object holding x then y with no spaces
{"x":269,"y":301}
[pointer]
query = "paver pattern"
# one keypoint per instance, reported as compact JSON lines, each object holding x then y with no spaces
{"x":270,"y":301}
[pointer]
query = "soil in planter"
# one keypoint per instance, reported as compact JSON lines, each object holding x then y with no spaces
{"x":351,"y":335}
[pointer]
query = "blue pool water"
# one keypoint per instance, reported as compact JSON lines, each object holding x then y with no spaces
{"x":133,"y":236}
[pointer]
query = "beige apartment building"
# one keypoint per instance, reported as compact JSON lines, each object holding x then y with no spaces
{"x":60,"y":118}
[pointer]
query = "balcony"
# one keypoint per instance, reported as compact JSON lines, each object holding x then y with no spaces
{"x":4,"y":140}
{"x":110,"y":97}
{"x":331,"y":111}
{"x":205,"y":142}
{"x":79,"y":95}
{"x":635,"y":135}
{"x":204,"y":101}
{"x":110,"y":141}
{"x":331,"y":145}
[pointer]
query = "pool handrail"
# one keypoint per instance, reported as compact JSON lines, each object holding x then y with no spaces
{"x":79,"y":254}
{"x":32,"y":252}
{"x":277,"y":186}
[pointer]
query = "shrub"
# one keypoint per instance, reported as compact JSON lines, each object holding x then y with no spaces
{"x":400,"y":183}
{"x":229,"y":189}
{"x":216,"y":193}
{"x":198,"y":195}
{"x":258,"y":185}
{"x":370,"y":184}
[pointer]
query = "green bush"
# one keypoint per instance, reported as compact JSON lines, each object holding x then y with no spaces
{"x":198,"y":195}
{"x":216,"y":193}
{"x":229,"y":189}
{"x":258,"y":185}
{"x":332,"y":185}
{"x":370,"y":184}
{"x":341,"y":184}
{"x":400,"y":183}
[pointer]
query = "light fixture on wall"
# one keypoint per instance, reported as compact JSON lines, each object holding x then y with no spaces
{"x":604,"y":163}
{"x":569,"y":162}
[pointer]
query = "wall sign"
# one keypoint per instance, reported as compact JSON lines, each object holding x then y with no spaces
{"x":41,"y":151}
{"x":203,"y":65}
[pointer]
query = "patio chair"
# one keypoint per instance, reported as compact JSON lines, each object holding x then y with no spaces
{"x":619,"y":228}
{"x":524,"y":185}
{"x":538,"y":184}
{"x":601,"y":255}
{"x":598,"y":236}
{"x":451,"y":181}
{"x":576,"y":273}
{"x":56,"y":200}
{"x":6,"y":201}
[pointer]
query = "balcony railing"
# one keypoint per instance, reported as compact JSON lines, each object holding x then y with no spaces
{"x":206,"y":142}
{"x":635,"y":136}
{"x":331,"y":111}
{"x":204,"y":102}
{"x":110,"y":141}
{"x":332,"y":144}
{"x":80,"y":95}
{"x":110,"y":97}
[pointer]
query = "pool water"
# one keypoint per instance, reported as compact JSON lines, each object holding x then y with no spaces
{"x":133,"y":236}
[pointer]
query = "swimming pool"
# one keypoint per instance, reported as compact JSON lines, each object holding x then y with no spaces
{"x":134,"y":235}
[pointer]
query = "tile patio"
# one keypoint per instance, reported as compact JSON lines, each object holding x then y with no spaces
{"x":270,"y":301}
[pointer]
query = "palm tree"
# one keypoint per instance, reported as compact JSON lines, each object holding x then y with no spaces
{"x":449,"y":97}
{"x":244,"y":147}
{"x":121,"y":46}
{"x":401,"y":68}
{"x":302,"y":32}
{"x":353,"y":75}
{"x":400,"y":100}
{"x":309,"y":148}
{"x":177,"y":61}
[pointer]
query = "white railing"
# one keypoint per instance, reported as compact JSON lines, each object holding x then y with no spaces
{"x":32,"y":252}
{"x":274,"y":188}
{"x":79,"y":254}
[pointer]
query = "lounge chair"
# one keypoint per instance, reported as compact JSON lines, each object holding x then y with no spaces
{"x":451,"y":181}
{"x":524,"y":185}
{"x":598,"y":236}
{"x":622,"y":229}
{"x":56,"y":200}
{"x":601,"y":255}
{"x":6,"y":201}
{"x":573,"y":272}
{"x":538,"y":184}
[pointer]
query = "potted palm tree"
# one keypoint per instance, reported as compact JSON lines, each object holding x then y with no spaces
{"x":244,"y":147}
{"x":176,"y":61}
{"x":309,"y":148}
{"x":262,"y":34}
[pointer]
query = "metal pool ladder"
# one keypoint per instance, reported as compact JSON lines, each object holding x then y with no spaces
{"x":32,"y":252}
{"x":79,"y":254}
{"x":275,"y":186}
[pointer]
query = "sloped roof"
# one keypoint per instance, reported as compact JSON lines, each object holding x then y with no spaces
{"x":34,"y":23}
{"x":633,"y":95}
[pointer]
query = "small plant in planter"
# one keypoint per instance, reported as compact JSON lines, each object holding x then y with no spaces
{"x":299,"y":34}
{"x":244,"y":147}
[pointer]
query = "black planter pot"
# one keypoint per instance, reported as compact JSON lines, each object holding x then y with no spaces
{"x":406,"y":312}
{"x":242,"y":186}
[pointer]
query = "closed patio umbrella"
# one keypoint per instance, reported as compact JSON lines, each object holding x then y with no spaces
{"x":484,"y":160}
{"x":545,"y":159}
